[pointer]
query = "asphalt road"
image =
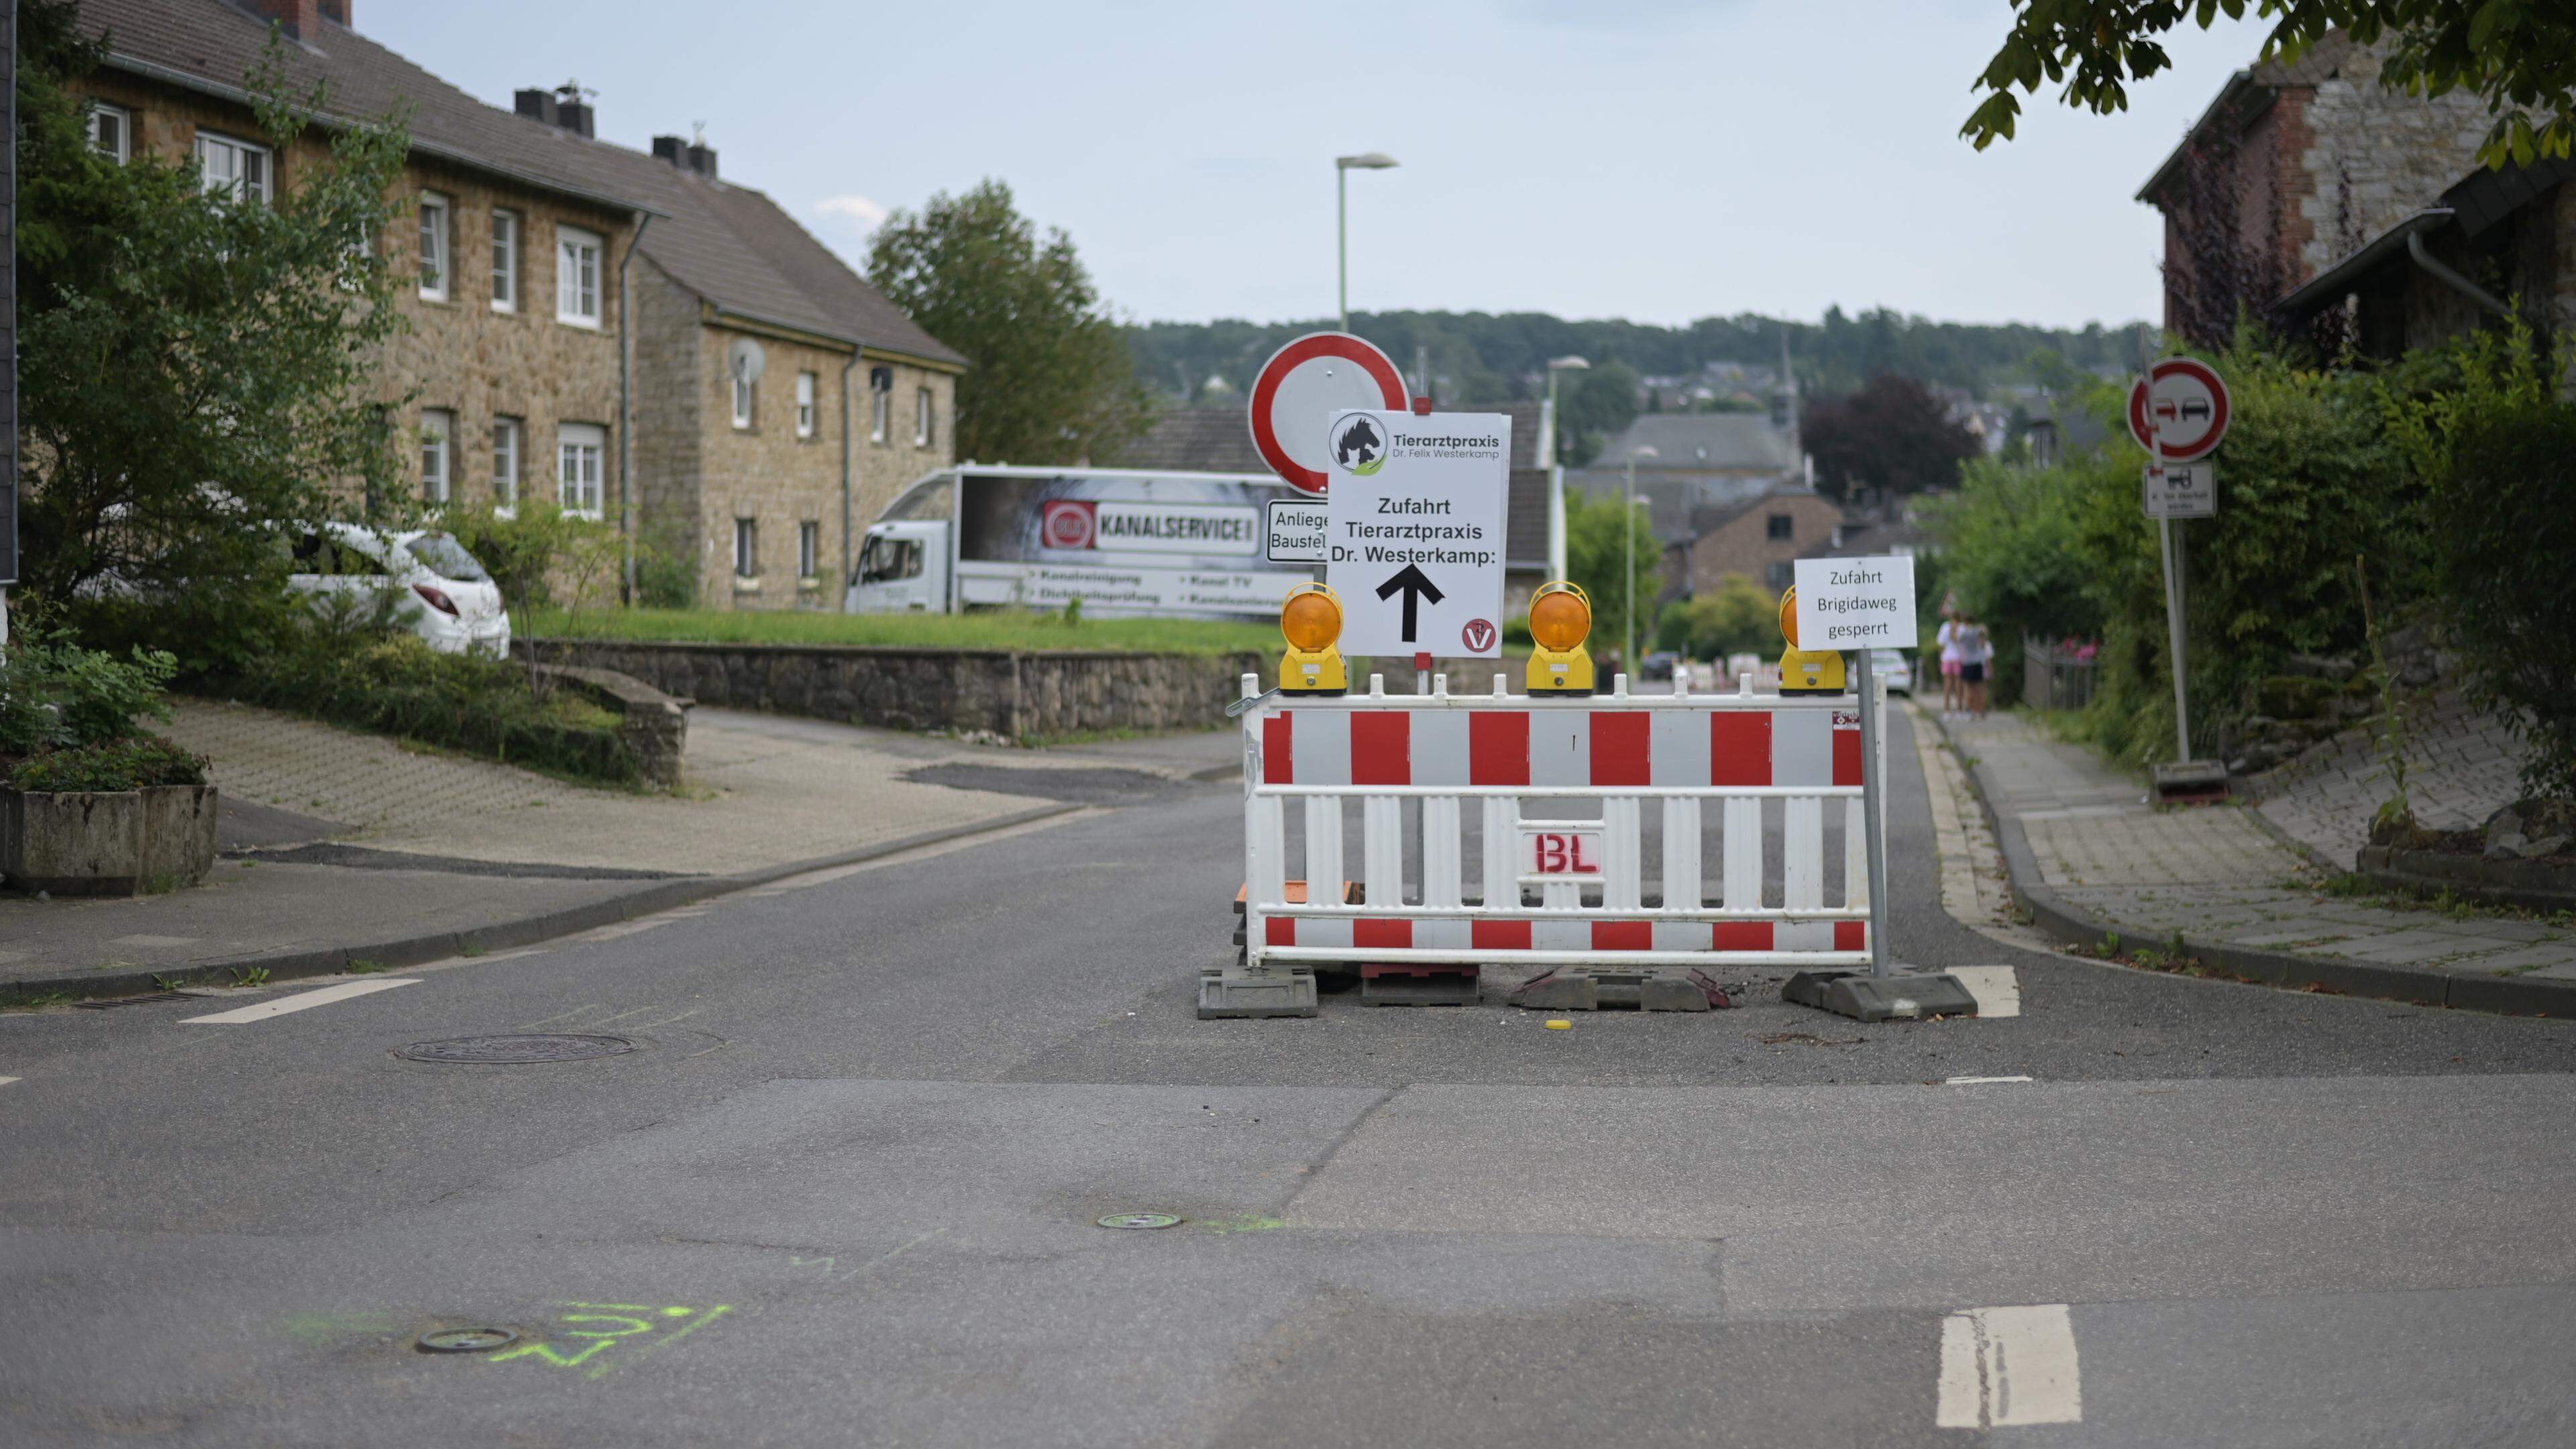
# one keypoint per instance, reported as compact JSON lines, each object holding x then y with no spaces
{"x":845,"y":1194}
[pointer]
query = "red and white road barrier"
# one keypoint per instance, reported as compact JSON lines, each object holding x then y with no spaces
{"x":1741,"y":751}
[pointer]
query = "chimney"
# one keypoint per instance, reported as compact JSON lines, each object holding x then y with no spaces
{"x":337,"y":12}
{"x":538,"y":105}
{"x":573,"y":116}
{"x":561,"y":106}
{"x":300,"y":19}
{"x":671,"y":149}
{"x":695,"y":157}
{"x":702,"y":159}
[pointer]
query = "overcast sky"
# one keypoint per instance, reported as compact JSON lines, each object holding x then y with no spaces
{"x":1650,"y":159}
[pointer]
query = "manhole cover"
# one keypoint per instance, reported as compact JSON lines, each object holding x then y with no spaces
{"x":551,"y":1047}
{"x":1140,"y":1220}
{"x":466,"y":1340}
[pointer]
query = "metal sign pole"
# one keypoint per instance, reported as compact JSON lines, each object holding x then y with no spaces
{"x":2170,"y":538}
{"x":1874,"y":834}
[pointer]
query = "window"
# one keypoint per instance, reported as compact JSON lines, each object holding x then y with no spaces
{"x":1782,"y":526}
{"x":111,"y":132}
{"x":231,"y":168}
{"x":746,"y":549}
{"x":578,"y":451}
{"x":890,"y":560}
{"x":506,"y":227}
{"x":880,"y":403}
{"x":576,"y":277}
{"x":1781,"y":575}
{"x":506,"y":435}
{"x":433,"y":247}
{"x":805,"y":407}
{"x":809,"y":550}
{"x":743,"y":400}
{"x":436,"y":426}
{"x":921,"y":418}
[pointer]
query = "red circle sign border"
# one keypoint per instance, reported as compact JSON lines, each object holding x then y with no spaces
{"x":1305,"y":349}
{"x":2190,"y":367}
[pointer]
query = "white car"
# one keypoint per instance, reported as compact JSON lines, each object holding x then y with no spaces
{"x":445,"y":595}
{"x":1894,"y":670}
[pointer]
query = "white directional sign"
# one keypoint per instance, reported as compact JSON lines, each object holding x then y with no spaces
{"x":1416,"y":530}
{"x":1296,"y":531}
{"x":2182,"y":490}
{"x":1856,"y":603}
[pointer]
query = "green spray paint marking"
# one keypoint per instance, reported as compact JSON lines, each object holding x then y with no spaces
{"x":594,"y":1331}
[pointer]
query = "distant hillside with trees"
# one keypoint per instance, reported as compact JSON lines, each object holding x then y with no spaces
{"x":1481,"y":357}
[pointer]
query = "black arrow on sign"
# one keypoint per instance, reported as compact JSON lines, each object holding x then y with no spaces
{"x":1417,"y":587}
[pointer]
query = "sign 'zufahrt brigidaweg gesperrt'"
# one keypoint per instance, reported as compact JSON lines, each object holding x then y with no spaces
{"x":1416,"y":530}
{"x":1856,"y":603}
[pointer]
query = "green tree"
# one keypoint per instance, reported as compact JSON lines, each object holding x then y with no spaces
{"x":1596,"y":556}
{"x":1597,"y":404}
{"x":1737,"y":616}
{"x":196,"y":370}
{"x":1048,"y":379}
{"x":2519,"y":56}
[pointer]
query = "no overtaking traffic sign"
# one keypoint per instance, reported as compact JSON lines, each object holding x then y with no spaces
{"x":1416,"y":536}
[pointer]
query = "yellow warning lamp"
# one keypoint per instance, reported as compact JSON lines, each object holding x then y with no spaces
{"x":1560,"y":618}
{"x":1805,"y":671}
{"x":1310,"y":619}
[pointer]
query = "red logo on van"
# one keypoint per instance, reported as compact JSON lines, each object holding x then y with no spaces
{"x":1069,"y":523}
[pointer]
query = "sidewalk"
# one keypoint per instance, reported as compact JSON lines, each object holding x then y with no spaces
{"x":2088,"y":856}
{"x":340,"y":846}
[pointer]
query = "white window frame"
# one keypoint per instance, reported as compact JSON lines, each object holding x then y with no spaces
{"x":122,"y":150}
{"x":805,"y":386}
{"x":509,"y":457}
{"x":578,"y":285}
{"x":746,"y":548}
{"x":581,"y":455}
{"x":437,"y":248}
{"x":922,"y":417}
{"x":256,"y":182}
{"x":509,"y":234}
{"x":746,"y":402}
{"x":437,"y":455}
{"x":809,"y":550}
{"x":880,"y":412}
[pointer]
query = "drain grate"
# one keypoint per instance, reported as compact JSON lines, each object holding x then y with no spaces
{"x":1140,"y":1220}
{"x":513,"y":1050}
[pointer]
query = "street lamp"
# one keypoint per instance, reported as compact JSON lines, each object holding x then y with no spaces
{"x":1628,"y":537}
{"x":1556,"y":470}
{"x":1342,"y":168}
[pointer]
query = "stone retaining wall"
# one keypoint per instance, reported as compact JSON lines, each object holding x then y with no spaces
{"x":1009,"y":693}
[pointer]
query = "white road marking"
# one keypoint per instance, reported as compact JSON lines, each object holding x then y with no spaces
{"x":1997,"y":991}
{"x":2006,"y":1366}
{"x":1979,"y":1081}
{"x":284,"y":1004}
{"x":4,"y":1081}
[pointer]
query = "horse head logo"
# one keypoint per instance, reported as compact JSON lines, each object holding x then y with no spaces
{"x":1361,"y":448}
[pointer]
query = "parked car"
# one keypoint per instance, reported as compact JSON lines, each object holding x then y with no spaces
{"x":443,"y":591}
{"x":1658,"y":665}
{"x":1894,"y":670}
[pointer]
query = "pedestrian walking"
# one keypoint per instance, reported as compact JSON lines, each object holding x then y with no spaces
{"x":1952,"y":696}
{"x":1976,"y":651}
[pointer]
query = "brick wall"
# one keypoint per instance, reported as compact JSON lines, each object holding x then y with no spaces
{"x":670,"y":412}
{"x":2374,"y":156}
{"x":1744,"y":545}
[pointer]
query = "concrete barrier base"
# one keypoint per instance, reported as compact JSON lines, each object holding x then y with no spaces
{"x":1905,"y":996}
{"x":1241,"y":991}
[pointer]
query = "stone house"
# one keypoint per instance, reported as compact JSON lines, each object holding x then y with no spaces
{"x":2293,"y":167}
{"x":1761,"y":537}
{"x":585,"y":318}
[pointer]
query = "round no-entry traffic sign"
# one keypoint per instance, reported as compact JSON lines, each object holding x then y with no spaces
{"x":1305,"y":383}
{"x":2191,"y":410}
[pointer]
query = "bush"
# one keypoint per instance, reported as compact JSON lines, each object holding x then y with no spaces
{"x":395,"y":684}
{"x":56,"y":695}
{"x":2506,"y":538}
{"x":127,"y":764}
